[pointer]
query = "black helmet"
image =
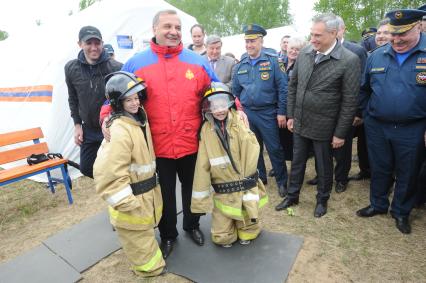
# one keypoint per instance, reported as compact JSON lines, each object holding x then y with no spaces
{"x":215,"y":96}
{"x":121,"y":85}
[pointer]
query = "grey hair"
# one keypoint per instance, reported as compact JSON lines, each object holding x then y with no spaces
{"x":341,"y":22}
{"x":330,"y":20}
{"x":213,"y":39}
{"x":156,"y":18}
{"x":297,"y":42}
{"x":383,"y":22}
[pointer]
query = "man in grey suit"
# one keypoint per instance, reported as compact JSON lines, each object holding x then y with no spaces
{"x":222,"y":65}
{"x":321,"y":105}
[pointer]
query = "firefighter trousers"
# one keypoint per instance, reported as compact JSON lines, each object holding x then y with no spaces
{"x":226,"y":230}
{"x":141,"y":248}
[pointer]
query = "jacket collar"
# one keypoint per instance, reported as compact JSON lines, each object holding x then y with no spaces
{"x":262,"y":57}
{"x":336,"y":53}
{"x":166,"y":50}
{"x":104,"y":57}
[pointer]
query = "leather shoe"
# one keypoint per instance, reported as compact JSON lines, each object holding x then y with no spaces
{"x":340,"y":187}
{"x":320,"y":209}
{"x":166,"y":247}
{"x":369,"y":211}
{"x":287,"y":202}
{"x":271,"y":173}
{"x":360,"y":176}
{"x":313,"y":182}
{"x":197,"y":236}
{"x":402,"y":224}
{"x":282,"y":190}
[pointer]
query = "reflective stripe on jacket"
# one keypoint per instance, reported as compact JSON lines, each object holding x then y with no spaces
{"x":128,"y":158}
{"x":214,"y":166}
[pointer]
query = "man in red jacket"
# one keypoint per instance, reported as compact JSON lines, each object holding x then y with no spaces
{"x":175,"y":78}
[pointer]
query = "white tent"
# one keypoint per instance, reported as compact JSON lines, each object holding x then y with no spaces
{"x":235,"y":43}
{"x":33,"y":92}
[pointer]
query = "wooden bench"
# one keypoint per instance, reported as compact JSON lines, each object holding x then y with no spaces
{"x":21,"y":172}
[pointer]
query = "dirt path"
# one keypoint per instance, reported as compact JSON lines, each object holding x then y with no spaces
{"x":339,"y":247}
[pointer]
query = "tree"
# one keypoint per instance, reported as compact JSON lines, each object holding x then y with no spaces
{"x":227,"y":17}
{"x":3,"y":35}
{"x":86,"y":3}
{"x":361,"y":14}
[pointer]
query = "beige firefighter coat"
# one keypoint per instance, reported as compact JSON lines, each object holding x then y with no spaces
{"x":128,"y":158}
{"x":214,"y":166}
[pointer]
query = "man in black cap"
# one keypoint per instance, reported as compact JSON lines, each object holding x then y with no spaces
{"x":86,"y":93}
{"x":261,"y":86}
{"x":109,"y":50}
{"x":394,"y":105}
{"x":368,"y":39}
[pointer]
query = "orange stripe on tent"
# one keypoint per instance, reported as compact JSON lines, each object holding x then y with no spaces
{"x":28,"y":88}
{"x":27,"y":99}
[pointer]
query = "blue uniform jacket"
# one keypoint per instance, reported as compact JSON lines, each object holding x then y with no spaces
{"x":394,"y":93}
{"x":261,"y":86}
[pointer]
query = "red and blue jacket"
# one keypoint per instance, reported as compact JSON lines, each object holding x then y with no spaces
{"x":175,"y":79}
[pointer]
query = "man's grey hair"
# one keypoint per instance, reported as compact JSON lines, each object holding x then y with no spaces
{"x":330,"y":20}
{"x":341,"y":22}
{"x":156,"y":18}
{"x":383,"y":22}
{"x":213,"y":39}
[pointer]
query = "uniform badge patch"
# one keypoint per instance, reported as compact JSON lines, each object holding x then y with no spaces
{"x":264,"y":76}
{"x":265,"y":64}
{"x":421,"y":60}
{"x":421,"y":78}
{"x":189,"y":74}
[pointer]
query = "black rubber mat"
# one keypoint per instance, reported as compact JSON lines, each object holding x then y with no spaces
{"x":269,"y":258}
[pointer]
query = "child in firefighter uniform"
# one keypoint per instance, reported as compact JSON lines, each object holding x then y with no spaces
{"x":227,"y":161}
{"x":125,"y":176}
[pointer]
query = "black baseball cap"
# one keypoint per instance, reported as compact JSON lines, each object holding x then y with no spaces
{"x":89,"y":32}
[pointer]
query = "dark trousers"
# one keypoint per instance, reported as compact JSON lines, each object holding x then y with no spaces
{"x":421,"y":184}
{"x":324,"y":166}
{"x":286,"y":140}
{"x":167,"y":169}
{"x":92,"y":139}
{"x":362,"y":152}
{"x":264,"y":125}
{"x":399,"y":148}
{"x":343,"y":156}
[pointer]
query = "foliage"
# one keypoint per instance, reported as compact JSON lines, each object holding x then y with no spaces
{"x":227,"y":17}
{"x":3,"y":35}
{"x":86,"y":3}
{"x":361,"y":14}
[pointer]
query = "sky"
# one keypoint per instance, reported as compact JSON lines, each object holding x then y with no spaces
{"x":17,"y":15}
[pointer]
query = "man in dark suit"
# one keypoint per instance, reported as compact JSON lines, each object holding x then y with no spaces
{"x":321,"y":105}
{"x":221,"y":64}
{"x":343,"y":155}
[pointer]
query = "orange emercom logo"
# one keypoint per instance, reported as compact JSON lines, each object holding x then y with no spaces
{"x":189,"y":74}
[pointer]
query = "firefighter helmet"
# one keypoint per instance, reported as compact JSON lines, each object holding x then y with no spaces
{"x":121,"y":85}
{"x":217,"y":97}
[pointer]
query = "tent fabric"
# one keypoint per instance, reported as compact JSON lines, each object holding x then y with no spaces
{"x":33,"y":92}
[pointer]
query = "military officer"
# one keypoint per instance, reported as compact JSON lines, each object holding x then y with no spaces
{"x":394,"y":103}
{"x":261,"y":86}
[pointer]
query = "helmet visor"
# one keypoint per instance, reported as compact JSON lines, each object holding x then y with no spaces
{"x":217,"y":103}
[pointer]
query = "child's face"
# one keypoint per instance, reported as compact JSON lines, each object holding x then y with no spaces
{"x":131,"y":103}
{"x":219,"y":109}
